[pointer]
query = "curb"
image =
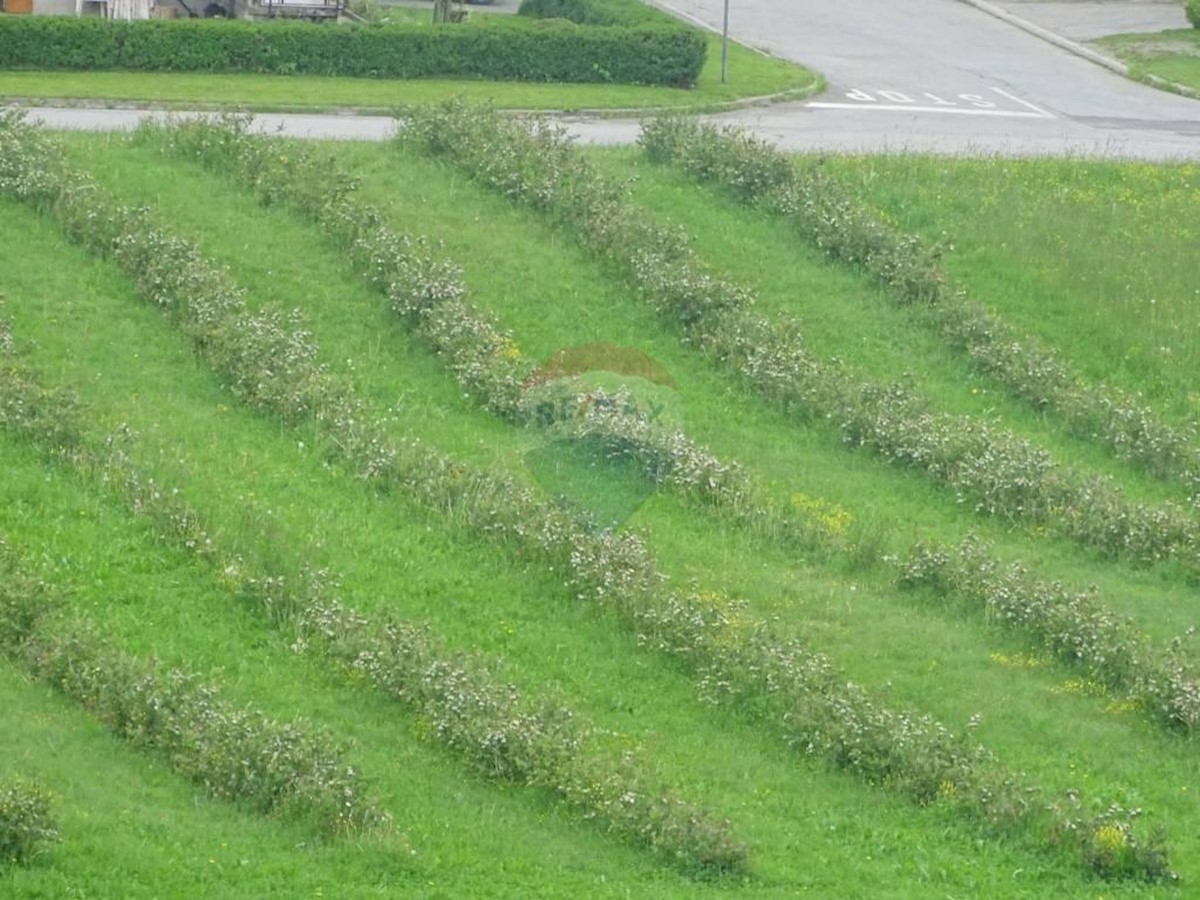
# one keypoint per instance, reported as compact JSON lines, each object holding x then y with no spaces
{"x":793,"y":95}
{"x":1173,"y":86}
{"x":1051,"y":37}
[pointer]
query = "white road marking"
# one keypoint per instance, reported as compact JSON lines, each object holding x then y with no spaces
{"x":961,"y":104}
{"x":898,"y":107}
{"x":1043,"y":113}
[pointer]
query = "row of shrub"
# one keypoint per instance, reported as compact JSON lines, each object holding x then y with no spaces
{"x":505,"y":736}
{"x":27,"y":827}
{"x":521,"y":50}
{"x":736,"y":660}
{"x":487,"y":722}
{"x":1192,"y":8}
{"x":822,"y":210}
{"x":240,"y":755}
{"x":427,"y":293}
{"x":1070,"y":625}
{"x":1173,"y":694}
{"x":1113,"y":847}
{"x":998,"y":472}
{"x":259,"y":164}
{"x":487,"y":360}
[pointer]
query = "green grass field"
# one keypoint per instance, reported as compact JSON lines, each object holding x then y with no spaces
{"x":1095,"y":258}
{"x":1170,"y":55}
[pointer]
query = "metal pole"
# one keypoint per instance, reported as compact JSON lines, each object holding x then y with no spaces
{"x":725,"y":46}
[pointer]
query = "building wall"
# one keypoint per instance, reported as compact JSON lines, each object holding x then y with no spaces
{"x":58,"y":7}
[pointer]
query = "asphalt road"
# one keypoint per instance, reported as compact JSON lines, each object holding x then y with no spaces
{"x":925,"y":75}
{"x":944,"y":76}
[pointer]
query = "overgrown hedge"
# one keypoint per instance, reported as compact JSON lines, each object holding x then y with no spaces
{"x":1192,"y":8}
{"x":508,"y":50}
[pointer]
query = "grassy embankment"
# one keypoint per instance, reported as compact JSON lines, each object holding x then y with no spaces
{"x":1072,"y":252}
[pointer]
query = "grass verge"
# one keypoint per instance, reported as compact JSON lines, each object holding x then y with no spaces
{"x":1173,"y":56}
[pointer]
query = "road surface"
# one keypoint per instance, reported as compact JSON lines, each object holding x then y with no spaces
{"x":944,"y":76}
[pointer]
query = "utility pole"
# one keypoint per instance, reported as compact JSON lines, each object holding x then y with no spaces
{"x":725,"y":46}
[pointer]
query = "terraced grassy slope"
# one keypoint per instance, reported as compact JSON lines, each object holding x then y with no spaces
{"x":276,"y":498}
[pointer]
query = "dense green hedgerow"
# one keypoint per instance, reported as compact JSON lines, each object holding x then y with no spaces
{"x":1192,"y":8}
{"x":506,"y":50}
